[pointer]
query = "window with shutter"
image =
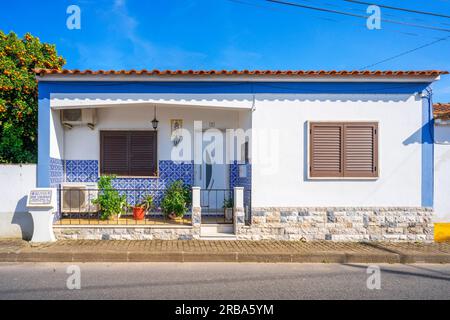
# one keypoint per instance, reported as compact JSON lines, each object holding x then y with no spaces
{"x":360,"y":150}
{"x":128,"y":153}
{"x":343,"y":149}
{"x":326,"y":150}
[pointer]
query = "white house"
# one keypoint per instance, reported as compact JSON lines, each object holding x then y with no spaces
{"x":441,"y":139}
{"x":338,"y":155}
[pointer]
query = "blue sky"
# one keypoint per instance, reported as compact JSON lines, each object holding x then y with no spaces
{"x":235,"y":34}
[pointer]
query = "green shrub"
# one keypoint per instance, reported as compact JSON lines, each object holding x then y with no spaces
{"x":110,"y":201}
{"x":177,"y":199}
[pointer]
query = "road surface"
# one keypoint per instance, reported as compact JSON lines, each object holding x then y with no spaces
{"x":221,"y":281}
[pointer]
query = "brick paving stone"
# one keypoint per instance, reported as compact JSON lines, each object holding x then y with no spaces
{"x":189,"y":250}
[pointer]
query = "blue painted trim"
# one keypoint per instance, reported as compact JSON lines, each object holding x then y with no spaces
{"x":427,"y":154}
{"x":231,"y":87}
{"x":43,"y":166}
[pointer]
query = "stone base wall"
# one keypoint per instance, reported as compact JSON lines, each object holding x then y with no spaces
{"x":339,"y":224}
{"x":123,"y":233}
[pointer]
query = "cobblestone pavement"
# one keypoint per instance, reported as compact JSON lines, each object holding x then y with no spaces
{"x":224,"y":251}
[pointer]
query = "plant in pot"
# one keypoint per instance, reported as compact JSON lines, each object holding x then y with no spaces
{"x":176,"y":200}
{"x":111,"y":203}
{"x":228,"y":209}
{"x":142,"y":207}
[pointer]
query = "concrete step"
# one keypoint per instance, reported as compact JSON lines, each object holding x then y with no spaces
{"x":218,"y":236}
{"x":211,"y":229}
{"x":217,"y":232}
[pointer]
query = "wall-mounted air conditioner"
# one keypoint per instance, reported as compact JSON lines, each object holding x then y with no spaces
{"x":77,"y":197}
{"x":79,"y":117}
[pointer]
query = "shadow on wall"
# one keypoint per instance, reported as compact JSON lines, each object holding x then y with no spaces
{"x":22,"y":221}
{"x":416,"y":137}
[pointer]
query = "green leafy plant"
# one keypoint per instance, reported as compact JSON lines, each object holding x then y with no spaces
{"x":19,"y":94}
{"x":110,"y":201}
{"x":176,"y":200}
{"x":146,"y":203}
{"x":227,"y":203}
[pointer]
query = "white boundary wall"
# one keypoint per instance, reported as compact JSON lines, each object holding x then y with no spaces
{"x":16,"y":180}
{"x":442,"y":173}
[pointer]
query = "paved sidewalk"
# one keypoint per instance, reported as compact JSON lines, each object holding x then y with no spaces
{"x":223,"y":251}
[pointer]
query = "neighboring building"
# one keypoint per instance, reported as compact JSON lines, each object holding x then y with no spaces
{"x":332,"y":155}
{"x":442,"y":162}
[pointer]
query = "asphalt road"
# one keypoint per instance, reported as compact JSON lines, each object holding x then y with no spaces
{"x":222,"y":281}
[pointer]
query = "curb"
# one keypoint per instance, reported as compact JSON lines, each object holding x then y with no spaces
{"x":182,"y":256}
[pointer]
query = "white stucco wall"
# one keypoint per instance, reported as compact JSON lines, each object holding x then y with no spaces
{"x":283,"y":181}
{"x":279,"y":154}
{"x":56,"y":135}
{"x":442,"y":173}
{"x":15,"y":183}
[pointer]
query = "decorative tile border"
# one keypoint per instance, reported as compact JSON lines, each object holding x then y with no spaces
{"x":56,"y":171}
{"x":169,"y":171}
{"x":246,"y":182}
{"x":81,"y":170}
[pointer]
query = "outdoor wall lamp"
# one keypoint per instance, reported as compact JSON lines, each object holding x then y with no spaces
{"x":155,"y":121}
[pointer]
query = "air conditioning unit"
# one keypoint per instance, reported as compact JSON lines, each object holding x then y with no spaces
{"x":77,"y":197}
{"x":79,"y":117}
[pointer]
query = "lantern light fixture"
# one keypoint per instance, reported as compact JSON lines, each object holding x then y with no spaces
{"x":155,"y":121}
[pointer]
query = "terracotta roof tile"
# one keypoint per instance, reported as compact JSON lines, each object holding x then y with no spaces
{"x":441,"y":111}
{"x":376,"y":73}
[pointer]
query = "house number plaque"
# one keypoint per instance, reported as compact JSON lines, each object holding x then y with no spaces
{"x":40,"y":198}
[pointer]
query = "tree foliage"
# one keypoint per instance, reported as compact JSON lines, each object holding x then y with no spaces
{"x":19,"y":95}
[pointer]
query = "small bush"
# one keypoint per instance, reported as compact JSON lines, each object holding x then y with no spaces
{"x":110,"y":201}
{"x":177,"y":199}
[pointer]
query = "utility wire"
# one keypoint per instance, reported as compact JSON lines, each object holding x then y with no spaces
{"x":400,"y":9}
{"x":405,"y":53}
{"x":261,"y":6}
{"x":294,"y":4}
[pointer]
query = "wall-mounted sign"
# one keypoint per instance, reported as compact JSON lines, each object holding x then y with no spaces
{"x":175,"y":129}
{"x":41,"y":197}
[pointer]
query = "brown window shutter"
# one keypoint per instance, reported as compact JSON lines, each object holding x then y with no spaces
{"x":360,"y":150}
{"x":326,"y":150}
{"x":114,"y":152}
{"x":143,"y":153}
{"x":128,"y":153}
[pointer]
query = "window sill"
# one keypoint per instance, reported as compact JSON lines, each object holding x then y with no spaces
{"x":344,"y":178}
{"x":129,"y":177}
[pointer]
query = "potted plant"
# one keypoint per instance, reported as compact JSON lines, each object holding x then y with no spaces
{"x":140,"y":208}
{"x":176,"y":200}
{"x":228,"y":209}
{"x":111,"y":203}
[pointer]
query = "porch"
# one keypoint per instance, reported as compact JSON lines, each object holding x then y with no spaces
{"x":200,"y":221}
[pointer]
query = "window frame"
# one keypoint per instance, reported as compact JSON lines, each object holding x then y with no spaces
{"x":308,"y":157}
{"x":100,"y":169}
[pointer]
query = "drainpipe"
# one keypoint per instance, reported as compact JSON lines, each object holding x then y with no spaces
{"x":427,"y":138}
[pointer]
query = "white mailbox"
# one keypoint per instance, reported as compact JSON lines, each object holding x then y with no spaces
{"x":42,"y":205}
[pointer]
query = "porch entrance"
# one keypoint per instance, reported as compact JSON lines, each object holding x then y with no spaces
{"x":213,"y":178}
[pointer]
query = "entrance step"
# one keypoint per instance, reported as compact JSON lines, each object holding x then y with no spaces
{"x":217,"y":232}
{"x":219,"y":236}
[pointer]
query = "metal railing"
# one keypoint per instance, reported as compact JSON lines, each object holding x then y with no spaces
{"x":217,"y":205}
{"x":79,"y":206}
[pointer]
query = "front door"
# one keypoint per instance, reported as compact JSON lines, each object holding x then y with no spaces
{"x":212,"y":177}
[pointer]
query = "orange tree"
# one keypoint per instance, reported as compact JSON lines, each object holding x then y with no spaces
{"x":18,"y":94}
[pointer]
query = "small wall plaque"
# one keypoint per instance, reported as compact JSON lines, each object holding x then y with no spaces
{"x":42,"y":197}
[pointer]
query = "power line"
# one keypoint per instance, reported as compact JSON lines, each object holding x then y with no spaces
{"x":294,"y":4}
{"x":385,"y":14}
{"x":405,"y":53}
{"x":400,"y":9}
{"x":260,"y":6}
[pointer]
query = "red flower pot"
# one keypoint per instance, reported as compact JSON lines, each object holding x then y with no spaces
{"x":138,"y":213}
